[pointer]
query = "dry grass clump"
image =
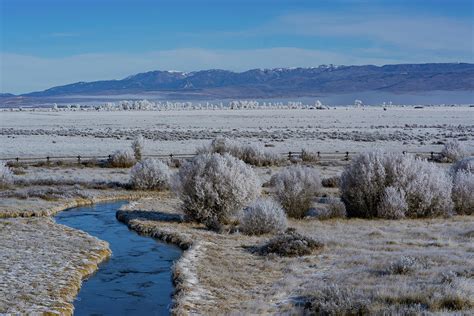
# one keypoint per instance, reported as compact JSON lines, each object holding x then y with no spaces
{"x":379,"y":183}
{"x":6,"y":176}
{"x":463,"y":192}
{"x":331,"y":182}
{"x":249,"y":153}
{"x":404,"y":265}
{"x":123,"y":159}
{"x":335,"y":300}
{"x":264,"y":216}
{"x":150,"y":174}
{"x":290,"y":244}
{"x":417,"y":300}
{"x":214,"y":187}
{"x":453,"y":151}
{"x":296,"y":187}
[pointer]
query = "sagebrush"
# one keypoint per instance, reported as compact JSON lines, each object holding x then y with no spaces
{"x":466,"y":164}
{"x":250,"y":153}
{"x":296,"y":187}
{"x":150,"y":174}
{"x":213,"y":188}
{"x":290,"y":244}
{"x":138,"y":145}
{"x":123,"y":159}
{"x":264,"y":216}
{"x":463,"y":192}
{"x":6,"y":176}
{"x":423,"y":186}
{"x":453,"y":151}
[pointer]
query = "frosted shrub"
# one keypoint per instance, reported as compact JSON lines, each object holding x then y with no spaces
{"x":426,"y":187}
{"x":466,"y":164}
{"x":308,"y":156}
{"x":393,"y":204}
{"x":123,"y":159}
{"x":335,"y":208}
{"x":453,"y":151}
{"x":362,"y":184}
{"x":150,"y":174}
{"x":251,"y":154}
{"x":214,"y":187}
{"x":6,"y":176}
{"x":290,"y":244}
{"x":263,"y":217}
{"x":404,"y":265}
{"x":334,"y":300}
{"x":137,"y":146}
{"x":463,"y":192}
{"x":295,"y":189}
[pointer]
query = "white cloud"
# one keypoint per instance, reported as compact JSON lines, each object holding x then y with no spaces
{"x":22,"y":73}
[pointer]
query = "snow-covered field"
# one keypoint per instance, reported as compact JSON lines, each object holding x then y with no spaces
{"x":39,"y":134}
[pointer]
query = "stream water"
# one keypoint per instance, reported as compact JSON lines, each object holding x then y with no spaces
{"x":136,"y":280}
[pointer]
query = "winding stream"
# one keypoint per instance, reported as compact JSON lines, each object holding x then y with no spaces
{"x":136,"y":280}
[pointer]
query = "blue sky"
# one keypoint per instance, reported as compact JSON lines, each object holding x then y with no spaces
{"x":52,"y":42}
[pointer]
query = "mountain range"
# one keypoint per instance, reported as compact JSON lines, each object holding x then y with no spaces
{"x":281,"y":82}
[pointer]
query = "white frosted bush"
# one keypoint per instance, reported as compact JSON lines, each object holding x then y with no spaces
{"x":295,"y":189}
{"x":393,"y":204}
{"x":123,"y":159}
{"x":264,"y":216}
{"x":426,"y":187}
{"x":363,"y":184}
{"x":137,"y":146}
{"x":249,"y":153}
{"x":466,"y":164}
{"x":453,"y":151}
{"x":150,"y":174}
{"x":463,"y":192}
{"x":335,"y":208}
{"x":6,"y":176}
{"x":213,"y":188}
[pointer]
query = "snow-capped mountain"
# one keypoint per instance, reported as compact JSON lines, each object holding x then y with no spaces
{"x":288,"y":82}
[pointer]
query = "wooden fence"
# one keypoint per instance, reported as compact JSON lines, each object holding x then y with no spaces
{"x":291,"y":155}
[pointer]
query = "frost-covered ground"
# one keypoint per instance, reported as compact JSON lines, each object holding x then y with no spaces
{"x":219,"y":275}
{"x":42,"y":265}
{"x":39,"y":134}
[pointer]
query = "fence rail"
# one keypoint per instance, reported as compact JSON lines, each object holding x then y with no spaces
{"x":290,"y":155}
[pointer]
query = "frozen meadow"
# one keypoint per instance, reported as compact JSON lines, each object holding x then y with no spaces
{"x":259,"y":233}
{"x":41,"y":134}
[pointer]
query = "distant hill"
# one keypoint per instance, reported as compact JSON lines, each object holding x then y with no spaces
{"x":282,"y":82}
{"x":6,"y":95}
